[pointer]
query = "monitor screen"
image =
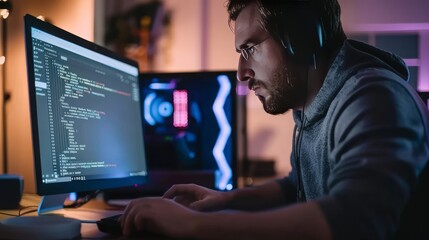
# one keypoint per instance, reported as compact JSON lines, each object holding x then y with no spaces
{"x":189,"y":123}
{"x":85,"y":113}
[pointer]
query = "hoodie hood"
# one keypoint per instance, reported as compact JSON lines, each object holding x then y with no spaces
{"x":352,"y":57}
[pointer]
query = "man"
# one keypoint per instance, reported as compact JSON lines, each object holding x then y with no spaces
{"x":360,"y":146}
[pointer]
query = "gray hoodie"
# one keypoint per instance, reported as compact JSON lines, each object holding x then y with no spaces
{"x":364,"y":143}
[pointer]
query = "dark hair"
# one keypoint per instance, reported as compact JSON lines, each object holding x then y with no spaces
{"x":327,"y":10}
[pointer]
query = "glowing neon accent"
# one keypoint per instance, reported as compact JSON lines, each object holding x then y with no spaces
{"x":147,"y":103}
{"x":320,"y":35}
{"x":180,"y":116}
{"x":162,"y":86}
{"x":242,"y":89}
{"x":73,"y":196}
{"x":225,"y":132}
{"x":165,"y":109}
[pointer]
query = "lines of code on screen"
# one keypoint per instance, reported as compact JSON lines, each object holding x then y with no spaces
{"x":86,"y":111}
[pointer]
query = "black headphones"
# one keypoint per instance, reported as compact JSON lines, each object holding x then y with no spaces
{"x":301,"y":30}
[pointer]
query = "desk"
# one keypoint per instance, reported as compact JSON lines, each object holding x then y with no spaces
{"x":93,"y":210}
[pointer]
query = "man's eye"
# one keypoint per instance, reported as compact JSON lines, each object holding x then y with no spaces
{"x":251,"y":49}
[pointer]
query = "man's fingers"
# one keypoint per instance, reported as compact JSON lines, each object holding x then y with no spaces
{"x":131,"y":214}
{"x":127,"y":224}
{"x":202,"y":205}
{"x":179,"y":189}
{"x":172,"y":192}
{"x":184,"y":200}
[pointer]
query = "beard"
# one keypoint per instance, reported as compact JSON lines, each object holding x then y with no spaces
{"x":282,"y":93}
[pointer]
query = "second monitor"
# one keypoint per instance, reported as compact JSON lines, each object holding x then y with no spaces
{"x":191,"y":131}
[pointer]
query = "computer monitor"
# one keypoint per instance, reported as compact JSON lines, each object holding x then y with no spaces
{"x":189,"y":121}
{"x":193,"y":124}
{"x":85,"y":115}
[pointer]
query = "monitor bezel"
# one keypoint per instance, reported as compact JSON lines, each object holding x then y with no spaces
{"x":74,"y":186}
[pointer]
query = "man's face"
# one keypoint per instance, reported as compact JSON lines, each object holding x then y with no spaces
{"x":266,"y":68}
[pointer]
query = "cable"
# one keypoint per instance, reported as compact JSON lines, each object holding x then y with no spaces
{"x":300,"y":188}
{"x":9,"y":214}
{"x":27,"y":212}
{"x":20,"y":213}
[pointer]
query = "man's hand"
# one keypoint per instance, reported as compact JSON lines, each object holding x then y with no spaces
{"x":158,"y":215}
{"x":198,"y":198}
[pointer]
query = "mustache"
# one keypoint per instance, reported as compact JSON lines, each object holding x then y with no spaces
{"x":253,"y":82}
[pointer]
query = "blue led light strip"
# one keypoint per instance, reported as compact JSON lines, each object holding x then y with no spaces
{"x":225,"y":132}
{"x":147,"y":104}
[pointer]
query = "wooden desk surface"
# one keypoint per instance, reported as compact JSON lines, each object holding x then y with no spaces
{"x":92,"y":211}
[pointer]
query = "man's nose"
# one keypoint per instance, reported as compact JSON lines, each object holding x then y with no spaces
{"x":244,"y":72}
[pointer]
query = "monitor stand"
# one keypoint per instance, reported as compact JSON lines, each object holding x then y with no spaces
{"x":54,"y":205}
{"x":51,"y":203}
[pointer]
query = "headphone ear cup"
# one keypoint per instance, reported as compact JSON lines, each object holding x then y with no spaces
{"x":287,"y":45}
{"x":304,"y":33}
{"x":321,"y":37}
